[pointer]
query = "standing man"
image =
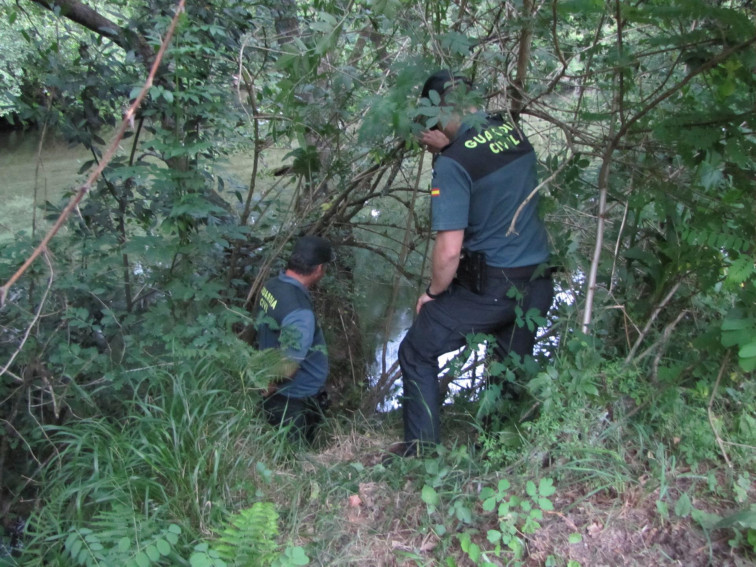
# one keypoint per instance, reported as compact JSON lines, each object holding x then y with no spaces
{"x":285,"y":320}
{"x":484,"y":169}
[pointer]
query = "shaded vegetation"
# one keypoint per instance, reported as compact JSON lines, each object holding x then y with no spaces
{"x":131,"y":428}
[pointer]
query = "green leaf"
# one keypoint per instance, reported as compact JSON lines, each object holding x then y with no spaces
{"x":456,"y":43}
{"x":485,"y":494}
{"x":84,"y":556}
{"x":748,"y":351}
{"x":737,"y":323}
{"x":489,"y":504}
{"x":463,"y":513}
{"x":72,"y":537}
{"x":163,"y":547}
{"x":744,"y":519}
{"x":516,"y":546}
{"x":430,"y":496}
{"x":473,"y":550}
{"x":545,"y":504}
{"x":683,"y":507}
{"x":142,"y":560}
{"x":297,"y":556}
{"x":575,"y":538}
{"x":76,"y":547}
{"x":546,"y":487}
{"x":198,"y":559}
{"x":530,"y":488}
{"x":152,"y":552}
{"x":752,"y":539}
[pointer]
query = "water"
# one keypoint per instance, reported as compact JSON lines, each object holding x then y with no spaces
{"x":32,"y":175}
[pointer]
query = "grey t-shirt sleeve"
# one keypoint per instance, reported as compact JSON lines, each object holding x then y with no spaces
{"x":450,"y":195}
{"x":297,"y":332}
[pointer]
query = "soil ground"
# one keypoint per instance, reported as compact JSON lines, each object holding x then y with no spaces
{"x":382,"y":527}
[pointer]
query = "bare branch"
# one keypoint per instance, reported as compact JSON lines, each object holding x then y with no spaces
{"x":128,"y":121}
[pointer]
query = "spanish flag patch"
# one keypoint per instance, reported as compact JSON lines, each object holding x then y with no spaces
{"x":435,"y":192}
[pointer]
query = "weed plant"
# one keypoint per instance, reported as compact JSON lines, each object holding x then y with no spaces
{"x":188,"y":448}
{"x":187,"y":473}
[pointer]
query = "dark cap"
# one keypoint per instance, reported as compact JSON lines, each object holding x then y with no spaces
{"x":442,"y":81}
{"x":313,"y":250}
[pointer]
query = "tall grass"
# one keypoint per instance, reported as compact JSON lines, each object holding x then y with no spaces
{"x":189,"y":468}
{"x":185,"y":450}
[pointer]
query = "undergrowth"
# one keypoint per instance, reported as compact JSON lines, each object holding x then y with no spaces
{"x":186,"y":472}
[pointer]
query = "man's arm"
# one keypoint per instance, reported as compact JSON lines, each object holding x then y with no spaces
{"x":297,"y":332}
{"x":446,"y":252}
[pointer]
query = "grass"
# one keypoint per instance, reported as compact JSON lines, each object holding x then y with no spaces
{"x":192,"y":456}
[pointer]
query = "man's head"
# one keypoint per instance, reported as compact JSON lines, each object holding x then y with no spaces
{"x":443,"y":81}
{"x":309,"y":257}
{"x":452,"y":95}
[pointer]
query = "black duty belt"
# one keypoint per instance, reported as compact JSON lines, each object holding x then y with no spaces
{"x":519,"y":273}
{"x":473,"y":273}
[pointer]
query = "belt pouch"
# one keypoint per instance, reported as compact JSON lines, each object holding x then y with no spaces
{"x":472,"y":271}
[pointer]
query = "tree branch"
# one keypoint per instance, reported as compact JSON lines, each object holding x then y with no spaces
{"x":95,"y":22}
{"x":128,"y":121}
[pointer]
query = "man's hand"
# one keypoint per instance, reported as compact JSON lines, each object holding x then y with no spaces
{"x":434,"y":140}
{"x":422,"y":300}
{"x":445,"y":258}
{"x":270,"y":390}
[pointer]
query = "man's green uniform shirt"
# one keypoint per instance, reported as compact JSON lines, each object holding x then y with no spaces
{"x":287,"y":321}
{"x":479,"y":181}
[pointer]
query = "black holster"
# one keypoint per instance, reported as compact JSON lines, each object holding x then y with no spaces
{"x":471,"y":272}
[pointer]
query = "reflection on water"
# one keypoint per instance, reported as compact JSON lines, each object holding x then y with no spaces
{"x":385,"y":347}
{"x":32,"y":174}
{"x":385,"y":326}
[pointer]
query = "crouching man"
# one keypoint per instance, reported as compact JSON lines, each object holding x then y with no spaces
{"x":286,"y":321}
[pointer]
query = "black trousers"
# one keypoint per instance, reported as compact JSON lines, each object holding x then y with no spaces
{"x":301,"y":415}
{"x":442,"y":326}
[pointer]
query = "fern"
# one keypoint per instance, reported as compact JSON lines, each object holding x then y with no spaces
{"x":250,"y":538}
{"x":740,"y":270}
{"x":118,"y":537}
{"x":718,"y":237}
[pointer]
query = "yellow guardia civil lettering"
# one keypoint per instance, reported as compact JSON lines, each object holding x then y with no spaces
{"x":501,"y":145}
{"x":267,"y":301}
{"x":498,"y":138}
